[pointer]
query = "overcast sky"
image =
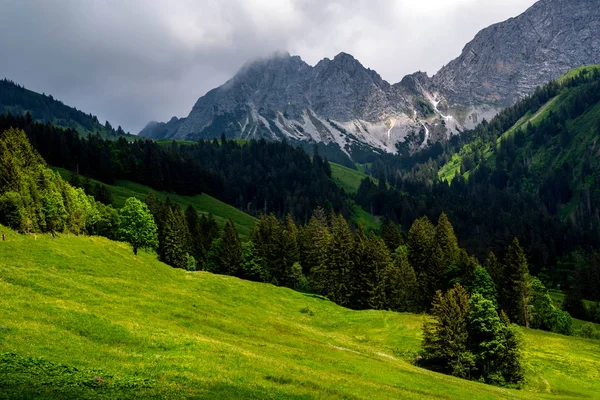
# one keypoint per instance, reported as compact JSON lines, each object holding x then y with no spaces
{"x":132,"y":61}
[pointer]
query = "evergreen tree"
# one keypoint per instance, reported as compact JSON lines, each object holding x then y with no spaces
{"x":341,"y":262}
{"x":136,"y":225}
{"x":420,"y":243}
{"x":446,"y":239}
{"x":268,"y":247}
{"x":542,"y":310}
{"x":175,"y":246}
{"x":391,"y":235}
{"x":315,"y":247}
{"x":495,"y":269}
{"x":225,"y":256}
{"x":196,"y":235}
{"x":445,"y":338}
{"x":402,"y":289}
{"x":516,"y":289}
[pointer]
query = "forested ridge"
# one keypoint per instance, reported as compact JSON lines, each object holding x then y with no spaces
{"x":17,"y":100}
{"x":532,"y":172}
{"x":257,"y":177}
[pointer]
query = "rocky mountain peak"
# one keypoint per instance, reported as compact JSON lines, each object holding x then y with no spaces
{"x":506,"y":61}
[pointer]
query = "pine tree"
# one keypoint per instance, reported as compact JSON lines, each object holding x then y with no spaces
{"x":485,"y":337}
{"x":291,"y":252}
{"x":391,"y":235}
{"x":315,"y":250}
{"x":174,"y":246}
{"x":516,"y":289}
{"x":402,"y":290}
{"x":341,"y":262}
{"x":420,"y":241}
{"x":196,"y":235}
{"x":268,"y":247}
{"x":445,"y":338}
{"x":495,"y":269}
{"x":225,"y":256}
{"x":446,"y":239}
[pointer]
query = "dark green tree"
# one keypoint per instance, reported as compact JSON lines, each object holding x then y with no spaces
{"x":391,"y":235}
{"x":516,"y":290}
{"x":445,"y":338}
{"x":225,"y":256}
{"x":542,"y":309}
{"x":401,"y":287}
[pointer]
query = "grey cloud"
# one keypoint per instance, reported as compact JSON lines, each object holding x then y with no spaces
{"x":131,"y":61}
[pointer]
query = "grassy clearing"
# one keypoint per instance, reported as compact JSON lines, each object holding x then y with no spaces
{"x":81,"y":317}
{"x":204,"y":203}
{"x":347,"y":178}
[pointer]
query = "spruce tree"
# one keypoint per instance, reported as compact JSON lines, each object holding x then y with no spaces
{"x":290,"y":252}
{"x":446,"y":239}
{"x":316,"y":244}
{"x":341,"y":262}
{"x":516,"y":288}
{"x":196,"y":241}
{"x":445,"y":338}
{"x":420,"y":240}
{"x":495,"y":269}
{"x":391,"y":235}
{"x":267,"y":237}
{"x":174,"y":245}
{"x":225,"y":256}
{"x":402,"y":290}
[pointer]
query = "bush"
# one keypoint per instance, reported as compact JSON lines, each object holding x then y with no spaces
{"x":563,"y":323}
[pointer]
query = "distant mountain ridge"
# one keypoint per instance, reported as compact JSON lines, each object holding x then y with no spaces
{"x":340,"y":101}
{"x":18,"y":100}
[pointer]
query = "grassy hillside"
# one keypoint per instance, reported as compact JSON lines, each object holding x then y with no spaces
{"x":347,"y":178}
{"x":122,"y":190}
{"x":569,"y":144}
{"x":81,"y":317}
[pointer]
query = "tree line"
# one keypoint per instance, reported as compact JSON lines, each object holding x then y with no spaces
{"x":257,"y":177}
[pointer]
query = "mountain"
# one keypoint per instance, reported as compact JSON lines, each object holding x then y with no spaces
{"x":340,"y":101}
{"x":336,"y":101}
{"x":508,"y":60}
{"x":17,"y":100}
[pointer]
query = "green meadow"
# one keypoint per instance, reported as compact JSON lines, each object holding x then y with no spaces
{"x":82,"y":317}
{"x":204,"y":203}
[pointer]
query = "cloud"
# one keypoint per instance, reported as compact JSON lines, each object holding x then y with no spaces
{"x":134,"y":61}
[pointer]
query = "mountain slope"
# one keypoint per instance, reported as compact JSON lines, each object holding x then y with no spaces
{"x":107,"y":324}
{"x":506,"y":61}
{"x":556,"y":141}
{"x":17,"y":100}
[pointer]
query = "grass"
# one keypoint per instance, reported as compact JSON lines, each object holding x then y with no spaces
{"x":203,"y":203}
{"x":347,"y":178}
{"x":82,"y":317}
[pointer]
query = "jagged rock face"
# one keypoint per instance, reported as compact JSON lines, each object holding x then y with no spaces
{"x":337,"y":101}
{"x":340,"y":101}
{"x":508,"y":60}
